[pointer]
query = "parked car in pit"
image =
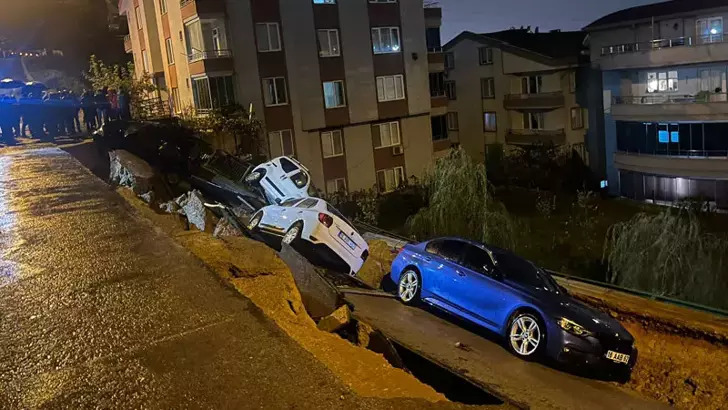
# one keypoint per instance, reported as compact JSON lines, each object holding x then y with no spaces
{"x":317,"y":222}
{"x":281,"y":179}
{"x":504,"y":293}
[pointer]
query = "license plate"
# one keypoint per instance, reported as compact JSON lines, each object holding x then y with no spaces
{"x":618,"y":357}
{"x":347,"y":240}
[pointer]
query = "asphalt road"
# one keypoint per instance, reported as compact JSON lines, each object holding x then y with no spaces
{"x":99,"y":309}
{"x":483,"y":361}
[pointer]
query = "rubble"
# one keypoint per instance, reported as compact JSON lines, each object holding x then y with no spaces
{"x":335,"y":321}
{"x":128,"y":170}
{"x":148,"y":197}
{"x":225,"y":228}
{"x":378,"y":264}
{"x":192,"y":205}
{"x":169,"y":207}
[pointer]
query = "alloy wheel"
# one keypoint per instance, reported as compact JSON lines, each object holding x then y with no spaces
{"x":525,"y":335}
{"x":291,"y":235}
{"x":408,"y":285}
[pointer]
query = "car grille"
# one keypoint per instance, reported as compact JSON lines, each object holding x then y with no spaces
{"x":612,"y":342}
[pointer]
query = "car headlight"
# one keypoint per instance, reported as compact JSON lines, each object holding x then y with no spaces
{"x":573,"y":327}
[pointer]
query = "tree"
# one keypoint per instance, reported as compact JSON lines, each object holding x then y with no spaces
{"x":232,"y":125}
{"x":101,"y":75}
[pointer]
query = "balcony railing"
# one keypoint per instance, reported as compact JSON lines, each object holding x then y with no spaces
{"x":670,"y":99}
{"x":434,"y":49}
{"x":538,"y":100}
{"x":539,"y":133}
{"x":663,"y":43}
{"x":183,"y":3}
{"x":127,"y":43}
{"x":678,"y":153}
{"x":207,"y":55}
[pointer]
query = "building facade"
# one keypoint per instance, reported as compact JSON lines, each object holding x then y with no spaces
{"x":516,"y":87}
{"x":341,"y":85}
{"x":665,"y":107}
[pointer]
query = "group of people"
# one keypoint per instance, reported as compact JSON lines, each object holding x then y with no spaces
{"x":46,"y":115}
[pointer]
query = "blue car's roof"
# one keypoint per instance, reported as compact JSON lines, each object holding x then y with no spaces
{"x":474,"y":243}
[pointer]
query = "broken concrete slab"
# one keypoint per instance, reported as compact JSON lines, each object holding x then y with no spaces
{"x":377,"y":265}
{"x":126,"y":169}
{"x":318,"y":295}
{"x":225,"y":228}
{"x":192,"y":205}
{"x":335,"y":321}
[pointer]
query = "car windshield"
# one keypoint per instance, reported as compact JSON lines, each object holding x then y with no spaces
{"x":288,"y":165}
{"x":300,"y":179}
{"x":524,"y":272}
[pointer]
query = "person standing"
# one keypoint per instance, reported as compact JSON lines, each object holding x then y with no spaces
{"x":113,"y":105}
{"x":100,"y":103}
{"x":89,"y":111}
{"x":124,"y":105}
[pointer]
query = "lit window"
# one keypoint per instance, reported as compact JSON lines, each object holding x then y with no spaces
{"x":710,"y":30}
{"x":328,"y":43}
{"x":390,"y":179}
{"x":324,"y":1}
{"x":334,"y":94}
{"x":485,"y":55}
{"x":275,"y":91}
{"x":489,"y":122}
{"x":386,"y":135}
{"x":662,"y":82}
{"x":332,"y":144}
{"x":577,"y":118}
{"x":663,"y":135}
{"x":269,"y":38}
{"x":390,"y":88}
{"x":385,"y":40}
{"x":335,"y":185}
{"x":285,"y":139}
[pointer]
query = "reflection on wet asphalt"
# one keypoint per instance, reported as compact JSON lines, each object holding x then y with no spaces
{"x":97,"y":308}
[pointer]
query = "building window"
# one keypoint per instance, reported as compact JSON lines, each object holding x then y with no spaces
{"x":385,"y":40}
{"x":213,"y":92}
{"x":329,"y":43}
{"x":489,"y":122}
{"x":487,"y":87}
{"x":452,"y":121}
{"x":163,"y":6}
{"x":334,"y":94}
{"x":449,"y":61}
{"x":450,"y":90}
{"x":390,"y":179}
{"x":269,"y":38}
{"x":274,"y":90}
{"x":662,"y":82}
{"x":710,"y":30}
{"x":572,"y":81}
{"x":386,"y":135}
{"x":145,"y":61}
{"x":437,"y":84}
{"x":170,"y":52}
{"x":711,"y":80}
{"x":531,"y":84}
{"x":331,"y":144}
{"x":138,"y":15}
{"x":390,"y":88}
{"x":336,"y":185}
{"x":577,"y":118}
{"x":485,"y":55}
{"x":439,"y":127}
{"x":324,"y":1}
{"x":533,"y":121}
{"x":285,"y":139}
{"x":176,"y":103}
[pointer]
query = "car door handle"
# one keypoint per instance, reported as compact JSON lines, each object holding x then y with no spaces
{"x":428,"y":259}
{"x":460,"y":273}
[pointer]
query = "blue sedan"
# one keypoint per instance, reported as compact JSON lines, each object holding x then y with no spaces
{"x":509,"y":295}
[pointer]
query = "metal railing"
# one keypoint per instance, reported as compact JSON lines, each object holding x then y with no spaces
{"x":534,"y":95}
{"x":434,"y":49}
{"x":205,"y":55}
{"x":670,"y":99}
{"x":676,"y":153}
{"x":183,"y":3}
{"x":537,"y":132}
{"x":663,"y":43}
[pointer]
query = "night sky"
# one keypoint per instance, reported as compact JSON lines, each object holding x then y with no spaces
{"x":493,"y":15}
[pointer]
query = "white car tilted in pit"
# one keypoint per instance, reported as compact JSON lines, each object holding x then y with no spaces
{"x":315,"y":221}
{"x":281,"y":179}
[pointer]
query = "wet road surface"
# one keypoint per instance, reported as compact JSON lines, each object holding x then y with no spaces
{"x":486,"y":363}
{"x":99,"y":309}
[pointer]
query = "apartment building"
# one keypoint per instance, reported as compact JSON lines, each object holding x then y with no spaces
{"x":341,"y":85}
{"x":142,"y":40}
{"x":666,"y":112}
{"x":516,"y":87}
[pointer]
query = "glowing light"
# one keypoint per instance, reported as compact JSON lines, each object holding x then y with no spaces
{"x":713,"y":31}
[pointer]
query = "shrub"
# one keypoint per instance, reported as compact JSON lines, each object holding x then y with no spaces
{"x":668,"y":254}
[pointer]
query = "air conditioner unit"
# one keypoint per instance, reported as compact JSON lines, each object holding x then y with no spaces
{"x":397,"y":150}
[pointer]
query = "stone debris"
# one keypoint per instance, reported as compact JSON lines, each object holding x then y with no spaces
{"x":148,"y":197}
{"x":225,"y":228}
{"x":335,"y":321}
{"x":169,"y":207}
{"x":192,"y":205}
{"x":128,"y":170}
{"x":378,"y":265}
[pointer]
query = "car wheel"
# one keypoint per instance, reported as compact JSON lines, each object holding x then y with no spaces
{"x":409,"y":287}
{"x":526,"y":336}
{"x":293,"y":234}
{"x":254,"y":221}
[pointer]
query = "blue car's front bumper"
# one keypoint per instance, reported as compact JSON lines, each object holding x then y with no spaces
{"x":567,"y":348}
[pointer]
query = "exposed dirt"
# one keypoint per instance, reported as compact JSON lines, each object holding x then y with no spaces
{"x":257,"y":272}
{"x":377,"y":265}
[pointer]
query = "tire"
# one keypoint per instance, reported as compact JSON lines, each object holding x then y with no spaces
{"x":526,"y":336}
{"x":293,"y":234}
{"x":409,"y":287}
{"x":254,"y":221}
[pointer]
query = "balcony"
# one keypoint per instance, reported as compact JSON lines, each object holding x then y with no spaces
{"x":664,"y":52}
{"x":191,"y":8}
{"x":702,"y":106}
{"x":127,"y":44}
{"x":685,"y":164}
{"x":539,"y":101}
{"x":202,"y":62}
{"x":528,"y":137}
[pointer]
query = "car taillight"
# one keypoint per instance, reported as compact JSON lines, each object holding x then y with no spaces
{"x":326,"y":219}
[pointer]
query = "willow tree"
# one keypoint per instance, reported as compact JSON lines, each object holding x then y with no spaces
{"x":459,"y":204}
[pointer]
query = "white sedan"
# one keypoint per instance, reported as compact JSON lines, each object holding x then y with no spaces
{"x":316,"y":221}
{"x":281,"y":179}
